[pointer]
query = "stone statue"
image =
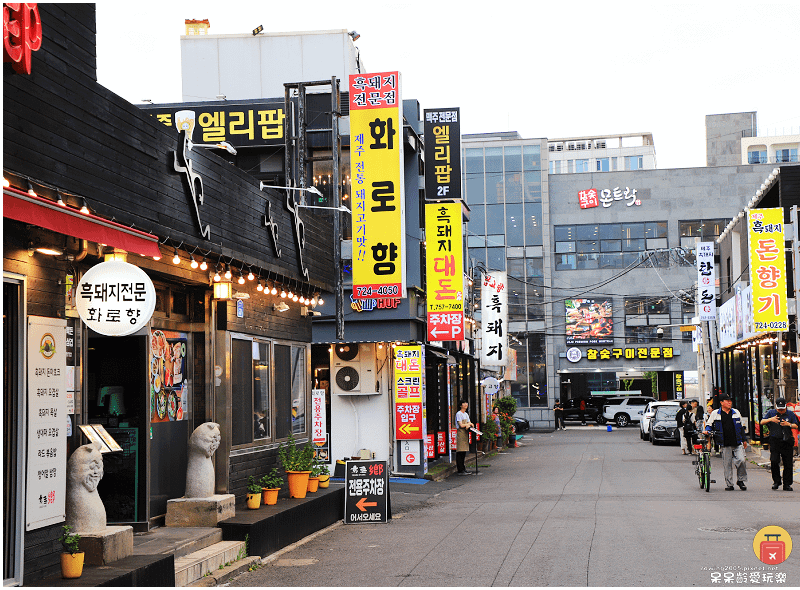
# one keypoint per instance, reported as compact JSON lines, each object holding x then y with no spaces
{"x":200,"y":471}
{"x":84,"y":508}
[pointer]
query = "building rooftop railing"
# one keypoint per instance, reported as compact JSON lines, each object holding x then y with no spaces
{"x":771,"y":131}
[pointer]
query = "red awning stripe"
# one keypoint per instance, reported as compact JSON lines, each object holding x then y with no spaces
{"x":21,"y":206}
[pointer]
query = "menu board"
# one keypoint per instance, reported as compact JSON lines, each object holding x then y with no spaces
{"x":169,"y":396}
{"x":47,"y":433}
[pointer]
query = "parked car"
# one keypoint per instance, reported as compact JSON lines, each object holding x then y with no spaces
{"x":594,"y":408}
{"x":624,"y":410}
{"x":665,"y":427}
{"x":521,"y":424}
{"x":649,"y":411}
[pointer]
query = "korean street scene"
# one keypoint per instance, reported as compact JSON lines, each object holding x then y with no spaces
{"x":340,"y":295}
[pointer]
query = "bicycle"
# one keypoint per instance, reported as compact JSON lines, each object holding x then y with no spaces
{"x":703,"y":464}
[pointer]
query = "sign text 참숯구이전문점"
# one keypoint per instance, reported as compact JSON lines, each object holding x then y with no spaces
{"x":494,"y":308}
{"x":376,"y":163}
{"x":444,"y":271}
{"x":366,"y":491}
{"x":768,"y":270}
{"x":706,"y":281}
{"x":633,"y":353}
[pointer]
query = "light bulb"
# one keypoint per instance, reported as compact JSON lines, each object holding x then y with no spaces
{"x":176,"y":259}
{"x":228,"y":272}
{"x":204,"y":264}
{"x":250,"y":276}
{"x":283,"y":294}
{"x":260,"y":287}
{"x":321,"y":301}
{"x":291,"y":295}
{"x":157,"y":257}
{"x":241,"y":279}
{"x":217,"y":278}
{"x":194,"y":264}
{"x":294,"y":298}
{"x":274,"y":291}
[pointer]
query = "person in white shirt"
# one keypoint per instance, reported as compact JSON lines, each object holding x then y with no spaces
{"x":462,"y":438}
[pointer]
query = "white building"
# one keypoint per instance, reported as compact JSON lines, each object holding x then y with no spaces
{"x":602,"y":153}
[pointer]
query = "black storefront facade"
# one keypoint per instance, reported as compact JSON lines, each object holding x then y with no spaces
{"x":756,"y":368}
{"x":233,"y":358}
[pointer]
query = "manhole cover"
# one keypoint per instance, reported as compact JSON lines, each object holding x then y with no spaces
{"x":727,"y":529}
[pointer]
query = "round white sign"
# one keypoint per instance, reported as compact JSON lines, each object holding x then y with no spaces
{"x":574,"y":354}
{"x":491,"y":385}
{"x":116,"y":298}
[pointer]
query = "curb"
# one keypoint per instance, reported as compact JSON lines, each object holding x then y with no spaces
{"x":226,"y":573}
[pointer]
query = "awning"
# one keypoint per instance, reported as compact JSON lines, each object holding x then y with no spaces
{"x":40,"y":212}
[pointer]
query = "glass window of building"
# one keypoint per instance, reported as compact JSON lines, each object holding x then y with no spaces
{"x":786,"y":155}
{"x":532,"y":186}
{"x":533,"y":224}
{"x":477,"y":221}
{"x":582,"y":166}
{"x":602,"y":165}
{"x":531,"y":158}
{"x":633,"y":162}
{"x":757,"y":155}
{"x":496,"y":258}
{"x":494,"y":175}
{"x":618,"y":244}
{"x":707,"y":230}
{"x":516,"y":299}
{"x":554,"y":166}
{"x":515,"y":225}
{"x":494,"y":219}
{"x":473,"y":175}
{"x":566,"y":262}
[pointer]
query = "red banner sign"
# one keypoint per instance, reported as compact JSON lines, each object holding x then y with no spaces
{"x":441,"y":442}
{"x":445,"y":325}
{"x":430,"y":448}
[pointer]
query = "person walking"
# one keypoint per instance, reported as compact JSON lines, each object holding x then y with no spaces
{"x":726,"y":425}
{"x":696,"y":417}
{"x":496,"y":417}
{"x":582,"y":408}
{"x":781,"y":443}
{"x":681,"y":418}
{"x":462,"y":438}
{"x":558,"y":410}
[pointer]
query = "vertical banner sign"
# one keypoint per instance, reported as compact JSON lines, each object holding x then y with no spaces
{"x":706,"y":279}
{"x":768,"y":270}
{"x":47,"y":415}
{"x":318,"y":418}
{"x":679,"y":385}
{"x":366,"y":486}
{"x":430,"y":446}
{"x":442,"y":154}
{"x":444,"y":271}
{"x":409,"y":365}
{"x":376,"y":152}
{"x":494,"y":320}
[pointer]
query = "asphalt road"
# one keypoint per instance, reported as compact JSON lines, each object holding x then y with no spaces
{"x":583,"y":507}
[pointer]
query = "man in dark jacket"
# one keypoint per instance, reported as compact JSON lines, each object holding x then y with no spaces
{"x":680,"y":418}
{"x":726,"y":425}
{"x":782,"y":424}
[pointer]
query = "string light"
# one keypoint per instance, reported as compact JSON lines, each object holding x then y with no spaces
{"x":217,"y":278}
{"x":274,"y":290}
{"x":193,"y":263}
{"x":241,"y":277}
{"x":260,"y":287}
{"x":176,"y":259}
{"x":283,"y":293}
{"x":85,"y":211}
{"x":228,"y":273}
{"x":204,"y":264}
{"x":250,"y":276}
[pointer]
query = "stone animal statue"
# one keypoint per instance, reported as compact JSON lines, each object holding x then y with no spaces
{"x":84,"y":508}
{"x":200,"y":471}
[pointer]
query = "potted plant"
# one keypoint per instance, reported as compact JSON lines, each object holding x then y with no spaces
{"x":270,"y":486}
{"x":324,"y":475}
{"x":72,"y":558}
{"x":489,"y":429}
{"x":253,"y":494}
{"x":297,"y":462}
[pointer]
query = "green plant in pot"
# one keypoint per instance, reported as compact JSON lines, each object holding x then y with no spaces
{"x":253,"y":493}
{"x":72,"y":558}
{"x":297,"y":461}
{"x":270,"y":486}
{"x":324,"y":474}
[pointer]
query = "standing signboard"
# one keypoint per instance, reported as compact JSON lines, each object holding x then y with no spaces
{"x":444,"y":271}
{"x":706,"y":281}
{"x":366,"y":486}
{"x":442,"y":154}
{"x":409,"y":369}
{"x":376,"y":153}
{"x":47,"y":413}
{"x":768,"y":270}
{"x":494,"y":308}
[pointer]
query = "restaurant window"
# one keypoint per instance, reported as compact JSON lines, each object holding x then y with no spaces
{"x":643,"y":316}
{"x":265,"y":404}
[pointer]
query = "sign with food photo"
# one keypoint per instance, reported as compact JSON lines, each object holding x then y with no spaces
{"x":589,"y":321}
{"x":168,"y":383}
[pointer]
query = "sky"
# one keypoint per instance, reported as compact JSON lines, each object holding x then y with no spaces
{"x":544,"y":69}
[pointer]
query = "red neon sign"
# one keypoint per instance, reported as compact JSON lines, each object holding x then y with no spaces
{"x":22,"y":35}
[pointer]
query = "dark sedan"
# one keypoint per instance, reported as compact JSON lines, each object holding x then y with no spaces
{"x":664,"y":427}
{"x":521,"y":424}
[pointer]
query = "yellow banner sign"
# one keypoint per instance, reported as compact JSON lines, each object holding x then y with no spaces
{"x":376,"y":154}
{"x":768,"y":270}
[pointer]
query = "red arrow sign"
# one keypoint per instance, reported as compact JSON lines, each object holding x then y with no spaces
{"x":363,"y":502}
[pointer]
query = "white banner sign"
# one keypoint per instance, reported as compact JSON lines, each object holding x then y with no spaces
{"x":116,"y":298}
{"x":318,"y":418}
{"x":47,"y":431}
{"x":706,"y":289}
{"x":494,"y":320}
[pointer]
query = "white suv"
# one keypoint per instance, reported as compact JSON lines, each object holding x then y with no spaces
{"x":624,"y":410}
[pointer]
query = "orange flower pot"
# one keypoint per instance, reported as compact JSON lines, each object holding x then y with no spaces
{"x":324,"y":481}
{"x":313,"y":484}
{"x":71,"y":565}
{"x":270,"y":496}
{"x":298,"y":483}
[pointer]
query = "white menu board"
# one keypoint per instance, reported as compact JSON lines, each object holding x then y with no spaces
{"x":47,"y":431}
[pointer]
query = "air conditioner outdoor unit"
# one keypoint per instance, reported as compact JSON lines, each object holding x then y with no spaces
{"x":354,"y":369}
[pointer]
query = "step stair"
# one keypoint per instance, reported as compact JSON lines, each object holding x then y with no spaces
{"x":196,"y":565}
